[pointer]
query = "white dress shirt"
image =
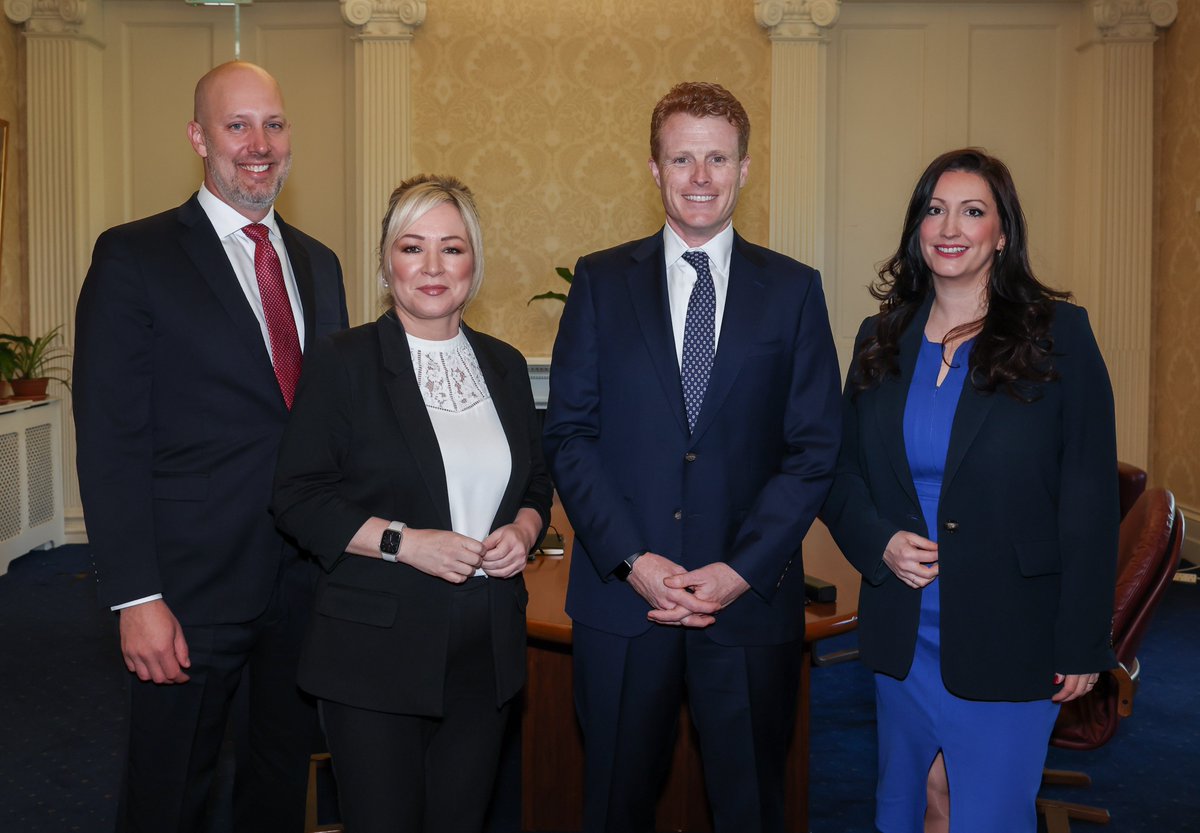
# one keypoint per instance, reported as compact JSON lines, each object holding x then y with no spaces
{"x":681,"y":277}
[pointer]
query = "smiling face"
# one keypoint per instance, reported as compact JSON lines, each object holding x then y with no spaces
{"x":699,"y":174}
{"x":243,"y":135}
{"x":431,"y":265}
{"x":961,"y":230}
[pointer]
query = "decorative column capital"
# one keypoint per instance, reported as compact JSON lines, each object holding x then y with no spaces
{"x":383,"y":19}
{"x":1133,"y":20}
{"x":47,"y":17}
{"x":797,"y":20}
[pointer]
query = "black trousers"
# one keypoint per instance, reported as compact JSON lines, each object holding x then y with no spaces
{"x":409,"y":773}
{"x":176,"y":731}
{"x":628,"y":692}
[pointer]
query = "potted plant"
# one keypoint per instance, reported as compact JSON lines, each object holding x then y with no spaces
{"x":32,"y":363}
{"x":564,"y":273}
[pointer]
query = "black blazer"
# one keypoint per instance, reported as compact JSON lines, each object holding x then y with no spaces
{"x":1028,"y":523}
{"x":178,"y":415}
{"x":361,"y":444}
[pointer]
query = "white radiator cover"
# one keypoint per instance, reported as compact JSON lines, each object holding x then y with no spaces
{"x":31,"y":497}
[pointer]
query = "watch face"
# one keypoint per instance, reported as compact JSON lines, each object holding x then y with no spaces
{"x":390,"y":542}
{"x":623,"y":570}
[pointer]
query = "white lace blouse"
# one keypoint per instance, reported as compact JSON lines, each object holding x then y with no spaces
{"x":474,"y":448}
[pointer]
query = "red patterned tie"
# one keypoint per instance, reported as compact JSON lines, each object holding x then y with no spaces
{"x":281,"y":323}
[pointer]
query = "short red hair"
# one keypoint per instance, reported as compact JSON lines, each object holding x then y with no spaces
{"x":700,"y":99}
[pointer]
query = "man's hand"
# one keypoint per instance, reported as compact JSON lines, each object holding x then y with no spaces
{"x":912,"y":558}
{"x":716,"y":585}
{"x":672,"y":605}
{"x":152,"y":643}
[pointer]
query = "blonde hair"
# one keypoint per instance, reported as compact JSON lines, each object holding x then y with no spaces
{"x":412,"y":200}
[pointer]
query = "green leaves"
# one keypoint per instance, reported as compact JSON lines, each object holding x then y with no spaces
{"x":564,"y":273}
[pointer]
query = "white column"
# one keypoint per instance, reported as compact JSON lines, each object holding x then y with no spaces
{"x":1122,"y":226}
{"x":61,"y":63}
{"x":383,"y":140}
{"x":799,"y":33}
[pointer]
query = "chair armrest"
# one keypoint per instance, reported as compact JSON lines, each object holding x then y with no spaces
{"x":1127,"y":682}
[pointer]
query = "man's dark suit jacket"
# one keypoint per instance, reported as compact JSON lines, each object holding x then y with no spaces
{"x":744,"y":487}
{"x":1027,"y":521}
{"x":361,"y":444}
{"x":178,"y":415}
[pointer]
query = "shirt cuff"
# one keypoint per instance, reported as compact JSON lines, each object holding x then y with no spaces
{"x":136,"y":602}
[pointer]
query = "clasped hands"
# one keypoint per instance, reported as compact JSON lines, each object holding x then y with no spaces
{"x":681,"y":597}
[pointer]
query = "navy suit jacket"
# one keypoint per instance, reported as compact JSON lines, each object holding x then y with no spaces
{"x":361,"y":444}
{"x":744,"y":487}
{"x":178,"y":415}
{"x":1028,"y":521}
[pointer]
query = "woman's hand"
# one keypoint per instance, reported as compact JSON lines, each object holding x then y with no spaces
{"x":506,"y":550}
{"x":441,"y":553}
{"x":1074,"y":686}
{"x":912,"y":558}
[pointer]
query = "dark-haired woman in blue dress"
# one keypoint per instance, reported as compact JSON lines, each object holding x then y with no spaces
{"x":976,"y":492}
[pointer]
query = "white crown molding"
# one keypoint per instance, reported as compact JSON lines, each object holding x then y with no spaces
{"x":47,"y":17}
{"x":1133,"y":20}
{"x":383,"y":19}
{"x":797,"y":19}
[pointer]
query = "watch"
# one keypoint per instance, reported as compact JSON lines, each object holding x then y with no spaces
{"x":389,"y":542}
{"x":623,"y":569}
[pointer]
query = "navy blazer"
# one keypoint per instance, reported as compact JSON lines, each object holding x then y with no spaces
{"x":1028,"y":521}
{"x":361,"y":444}
{"x":744,"y":487}
{"x":178,"y":414}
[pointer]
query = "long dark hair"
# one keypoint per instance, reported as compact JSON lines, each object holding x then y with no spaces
{"x":1013,"y":347}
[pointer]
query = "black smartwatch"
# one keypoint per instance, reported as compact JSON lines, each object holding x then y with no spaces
{"x":623,"y":569}
{"x":389,"y":542}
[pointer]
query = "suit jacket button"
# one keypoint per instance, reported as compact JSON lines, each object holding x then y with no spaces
{"x":950,"y":526}
{"x":690,"y":457}
{"x":678,"y":514}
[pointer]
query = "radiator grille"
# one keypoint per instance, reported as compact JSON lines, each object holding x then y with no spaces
{"x":10,"y":487}
{"x":38,"y":453}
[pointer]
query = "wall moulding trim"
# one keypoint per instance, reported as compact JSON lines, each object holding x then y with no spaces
{"x":48,"y":17}
{"x":1133,"y":20}
{"x":802,"y":20}
{"x":383,"y":19}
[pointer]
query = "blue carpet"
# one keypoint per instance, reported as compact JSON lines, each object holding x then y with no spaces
{"x":62,"y":701}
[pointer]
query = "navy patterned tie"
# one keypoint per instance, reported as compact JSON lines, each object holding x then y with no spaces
{"x":698,"y":337}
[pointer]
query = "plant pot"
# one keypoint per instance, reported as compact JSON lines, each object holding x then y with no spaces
{"x":29,"y":388}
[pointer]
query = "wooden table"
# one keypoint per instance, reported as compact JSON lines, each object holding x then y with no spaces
{"x":551,"y":748}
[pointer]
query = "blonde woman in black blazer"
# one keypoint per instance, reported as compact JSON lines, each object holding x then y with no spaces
{"x":412,"y":468}
{"x":976,"y":492}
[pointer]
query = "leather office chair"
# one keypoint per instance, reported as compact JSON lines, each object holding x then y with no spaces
{"x":1132,"y":482}
{"x":1148,"y":554}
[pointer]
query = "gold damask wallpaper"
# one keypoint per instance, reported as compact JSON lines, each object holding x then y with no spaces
{"x":543,"y":108}
{"x":12,"y":275}
{"x":1175,"y":445}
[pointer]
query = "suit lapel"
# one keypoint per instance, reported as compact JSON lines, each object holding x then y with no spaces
{"x":508,"y":409}
{"x":302,"y":271}
{"x":743,"y":304}
{"x":647,"y":283}
{"x":204,"y":248}
{"x":416,"y":429}
{"x":973,"y":408}
{"x":892,"y":399}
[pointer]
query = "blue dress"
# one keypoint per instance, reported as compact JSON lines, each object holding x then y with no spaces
{"x":994,"y":751}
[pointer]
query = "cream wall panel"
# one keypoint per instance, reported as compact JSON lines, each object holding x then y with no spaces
{"x":913,"y":80}
{"x":311,"y":63}
{"x":880,"y":142}
{"x":155,"y":54}
{"x":150,"y":136}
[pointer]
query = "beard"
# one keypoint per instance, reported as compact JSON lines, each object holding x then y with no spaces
{"x":223,"y":173}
